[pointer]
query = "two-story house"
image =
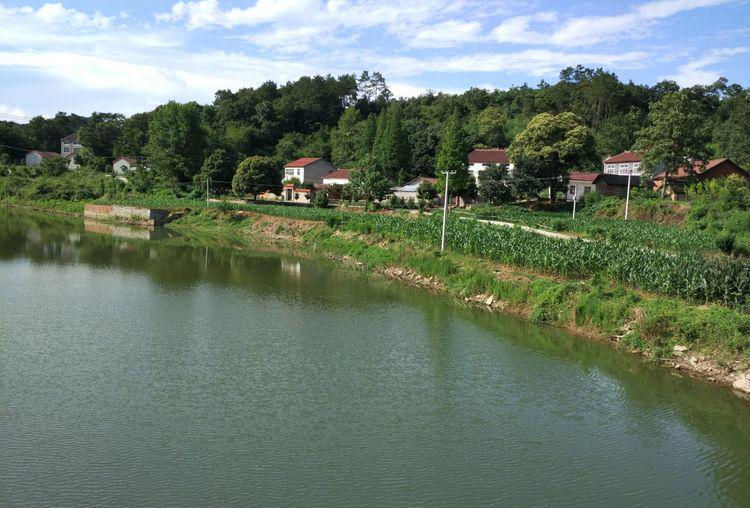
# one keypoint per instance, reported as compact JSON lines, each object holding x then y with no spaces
{"x":307,"y":170}
{"x":69,"y":145}
{"x":622,"y":164}
{"x":480,"y":158}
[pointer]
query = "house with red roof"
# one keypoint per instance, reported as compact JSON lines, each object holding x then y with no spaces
{"x":122,"y":165}
{"x":69,"y":145}
{"x":35,"y":157}
{"x":715,"y":168}
{"x":337,"y":177}
{"x":480,"y":158}
{"x":309,"y":171}
{"x":622,"y":163}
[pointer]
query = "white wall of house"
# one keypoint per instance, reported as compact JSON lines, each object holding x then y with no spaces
{"x":577,"y":189}
{"x":622,"y":168}
{"x":121,"y":166}
{"x":69,"y":147}
{"x":311,"y":173}
{"x":33,"y":159}
{"x":335,"y":181}
{"x":478,"y":167}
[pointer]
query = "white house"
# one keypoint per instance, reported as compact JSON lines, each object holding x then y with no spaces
{"x":35,"y":157}
{"x":307,"y":170}
{"x":580,"y":184}
{"x":623,"y":162}
{"x":338,"y":177}
{"x":70,"y":145}
{"x":409,"y":190}
{"x":480,"y":158}
{"x":122,"y":165}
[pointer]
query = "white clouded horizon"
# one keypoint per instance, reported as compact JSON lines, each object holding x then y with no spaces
{"x":189,"y":50}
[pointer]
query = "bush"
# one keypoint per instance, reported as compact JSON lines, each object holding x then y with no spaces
{"x":558,"y":225}
{"x":321,"y":199}
{"x":591,"y":198}
{"x":725,"y":242}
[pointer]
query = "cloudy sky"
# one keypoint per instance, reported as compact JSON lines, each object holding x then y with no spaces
{"x":84,"y":56}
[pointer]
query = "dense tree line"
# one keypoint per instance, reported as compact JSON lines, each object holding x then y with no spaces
{"x":355,"y":122}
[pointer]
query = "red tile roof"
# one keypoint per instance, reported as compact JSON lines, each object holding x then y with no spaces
{"x":584,"y":177}
{"x":625,"y":156}
{"x":683,"y":172}
{"x":485,"y":155}
{"x":301,"y":163}
{"x":339,"y":174}
{"x":129,"y":160}
{"x":46,"y":154}
{"x":70,"y":138}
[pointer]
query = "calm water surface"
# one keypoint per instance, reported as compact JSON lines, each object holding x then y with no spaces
{"x":165,"y":372}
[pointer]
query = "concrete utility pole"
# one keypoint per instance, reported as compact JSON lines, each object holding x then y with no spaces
{"x":575,"y":198}
{"x":627,"y":195}
{"x":208,"y":190}
{"x":445,"y":208}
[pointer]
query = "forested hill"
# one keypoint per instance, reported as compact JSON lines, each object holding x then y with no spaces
{"x":344,"y":118}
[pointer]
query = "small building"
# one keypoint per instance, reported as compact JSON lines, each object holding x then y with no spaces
{"x":35,"y":157}
{"x":605,"y":184}
{"x":715,"y":168}
{"x":409,"y":190}
{"x":292,"y":194}
{"x":337,"y":177}
{"x":580,"y":184}
{"x":307,"y":170}
{"x":480,"y":158}
{"x":70,"y":145}
{"x":122,"y":165}
{"x":622,"y":163}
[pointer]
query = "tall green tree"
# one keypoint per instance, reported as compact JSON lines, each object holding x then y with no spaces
{"x":494,"y":186}
{"x":453,"y":157}
{"x":551,"y":147}
{"x":491,"y":125}
{"x":133,"y":136}
{"x":346,"y":140}
{"x":176,"y":140}
{"x":733,"y":134}
{"x":101,"y":133}
{"x":218,"y":167}
{"x":256,"y":174}
{"x":676,"y":136}
{"x":391,"y":147}
{"x":367,"y":180}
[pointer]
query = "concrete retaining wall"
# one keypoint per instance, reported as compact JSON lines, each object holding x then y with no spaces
{"x":132,"y":214}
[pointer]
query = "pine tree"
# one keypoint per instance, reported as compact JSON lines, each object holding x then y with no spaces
{"x":345,"y":139}
{"x":391,"y":147}
{"x":452,"y":156}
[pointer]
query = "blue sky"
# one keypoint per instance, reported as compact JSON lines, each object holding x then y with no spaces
{"x":83,"y":56}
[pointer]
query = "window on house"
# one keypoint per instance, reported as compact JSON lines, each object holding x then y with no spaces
{"x":289,"y":172}
{"x":586,"y":189}
{"x":572,"y":189}
{"x":623,"y":169}
{"x":66,"y":149}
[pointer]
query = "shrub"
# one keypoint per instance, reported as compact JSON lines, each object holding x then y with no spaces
{"x":321,"y":199}
{"x":725,"y":242}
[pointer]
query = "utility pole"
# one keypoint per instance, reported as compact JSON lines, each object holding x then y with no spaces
{"x":208,"y":190}
{"x":575,"y":198}
{"x":627,"y":195}
{"x":445,"y":208}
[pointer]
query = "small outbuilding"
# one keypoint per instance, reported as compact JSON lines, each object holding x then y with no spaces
{"x":409,"y":190}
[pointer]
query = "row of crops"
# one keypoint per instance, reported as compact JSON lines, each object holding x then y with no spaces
{"x":690,"y":276}
{"x":647,"y":234}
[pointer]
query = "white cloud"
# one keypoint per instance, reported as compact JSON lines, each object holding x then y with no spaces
{"x":517,"y":30}
{"x":590,"y":30}
{"x":59,"y":15}
{"x":13,"y":113}
{"x":696,"y":73}
{"x":447,"y":33}
{"x":206,"y":13}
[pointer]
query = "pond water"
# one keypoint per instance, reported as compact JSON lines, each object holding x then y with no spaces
{"x":151,"y":370}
